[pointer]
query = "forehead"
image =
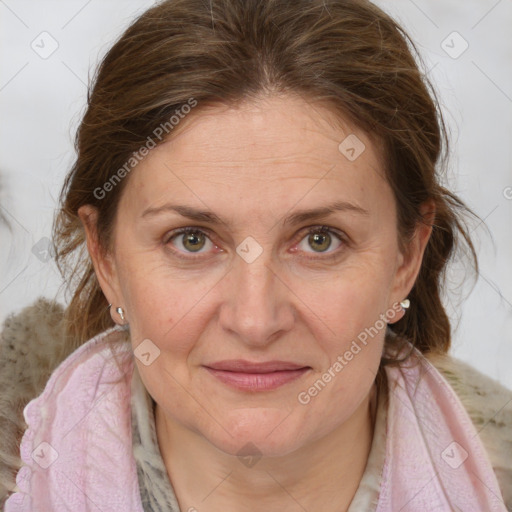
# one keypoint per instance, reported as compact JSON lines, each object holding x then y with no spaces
{"x":273,"y":148}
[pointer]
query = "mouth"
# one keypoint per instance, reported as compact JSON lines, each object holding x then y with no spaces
{"x":248,"y":376}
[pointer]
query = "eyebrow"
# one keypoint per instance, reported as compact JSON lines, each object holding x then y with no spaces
{"x":298,"y":217}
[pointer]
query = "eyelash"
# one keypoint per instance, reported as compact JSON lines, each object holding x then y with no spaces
{"x":311,"y":230}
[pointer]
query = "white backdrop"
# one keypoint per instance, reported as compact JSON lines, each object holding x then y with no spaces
{"x":49,"y":48}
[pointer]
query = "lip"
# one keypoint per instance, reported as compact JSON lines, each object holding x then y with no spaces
{"x":243,"y":366}
{"x":249,"y":376}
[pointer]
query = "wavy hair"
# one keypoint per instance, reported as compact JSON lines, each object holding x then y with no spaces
{"x":348,"y":54}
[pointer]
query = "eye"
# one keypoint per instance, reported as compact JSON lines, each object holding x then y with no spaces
{"x":190,"y":239}
{"x":321,"y":239}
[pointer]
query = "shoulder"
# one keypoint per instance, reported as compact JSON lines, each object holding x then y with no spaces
{"x":81,"y":420}
{"x":32,"y":336}
{"x":38,"y":366}
{"x":489,"y":405}
{"x":30,"y":348}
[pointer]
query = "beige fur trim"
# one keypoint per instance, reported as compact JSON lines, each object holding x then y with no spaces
{"x":30,"y":348}
{"x":489,"y":405}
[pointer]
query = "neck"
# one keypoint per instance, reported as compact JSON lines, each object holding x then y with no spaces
{"x":323,"y":475}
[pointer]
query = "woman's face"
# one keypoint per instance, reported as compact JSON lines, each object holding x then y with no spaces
{"x":250,"y":282}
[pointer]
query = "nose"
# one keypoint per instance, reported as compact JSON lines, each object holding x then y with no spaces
{"x":258,"y":306}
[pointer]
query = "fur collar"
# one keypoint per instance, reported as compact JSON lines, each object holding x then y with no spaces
{"x":32,"y":345}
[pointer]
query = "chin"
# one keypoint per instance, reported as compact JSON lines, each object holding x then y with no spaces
{"x":257,"y":447}
{"x":268,"y":433}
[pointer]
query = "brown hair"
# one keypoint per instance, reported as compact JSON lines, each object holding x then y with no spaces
{"x":346,"y":53}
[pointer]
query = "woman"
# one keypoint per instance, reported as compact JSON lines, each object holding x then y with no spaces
{"x":254,"y":322}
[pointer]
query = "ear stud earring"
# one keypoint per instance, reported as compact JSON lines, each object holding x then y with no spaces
{"x":120,"y":312}
{"x":405,"y":303}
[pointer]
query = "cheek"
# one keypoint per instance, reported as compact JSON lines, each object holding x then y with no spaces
{"x":354,"y":298}
{"x":167,"y":308}
{"x":351,"y":309}
{"x":351,"y":305}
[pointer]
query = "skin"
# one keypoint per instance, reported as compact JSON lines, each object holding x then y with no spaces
{"x":299,"y":301}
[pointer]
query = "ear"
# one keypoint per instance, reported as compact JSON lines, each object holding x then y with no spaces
{"x":411,"y":257}
{"x":103,"y":262}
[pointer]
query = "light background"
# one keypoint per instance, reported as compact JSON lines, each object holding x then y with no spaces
{"x":41,"y":102}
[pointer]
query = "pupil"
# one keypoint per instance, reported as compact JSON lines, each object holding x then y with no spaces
{"x":322,"y":239}
{"x":194,"y":240}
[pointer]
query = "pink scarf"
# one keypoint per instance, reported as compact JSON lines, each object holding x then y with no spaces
{"x":77,"y":449}
{"x":435,"y":460}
